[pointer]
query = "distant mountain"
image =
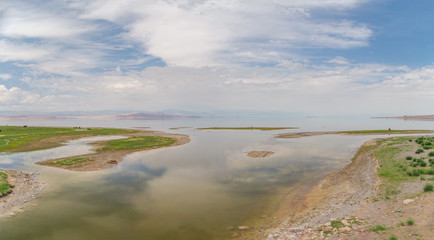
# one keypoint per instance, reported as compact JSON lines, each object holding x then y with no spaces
{"x":151,"y":116}
{"x":91,"y":115}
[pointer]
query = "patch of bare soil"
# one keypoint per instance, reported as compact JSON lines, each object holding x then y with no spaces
{"x":259,"y":154}
{"x":26,"y":187}
{"x":110,"y":158}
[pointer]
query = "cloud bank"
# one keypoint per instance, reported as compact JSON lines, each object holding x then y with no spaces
{"x":197,"y":55}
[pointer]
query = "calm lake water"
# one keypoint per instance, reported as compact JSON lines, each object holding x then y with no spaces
{"x":193,"y":191}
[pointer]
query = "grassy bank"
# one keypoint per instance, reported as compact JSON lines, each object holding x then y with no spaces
{"x":401,"y":160}
{"x":140,"y":142}
{"x":13,"y":137}
{"x":5,"y":187}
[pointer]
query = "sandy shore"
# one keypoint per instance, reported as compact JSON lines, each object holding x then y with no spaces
{"x":108,"y":159}
{"x":26,"y":187}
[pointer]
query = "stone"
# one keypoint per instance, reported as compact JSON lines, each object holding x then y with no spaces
{"x":345,"y":229}
{"x":407,"y":201}
{"x":243,"y":227}
{"x":345,"y":222}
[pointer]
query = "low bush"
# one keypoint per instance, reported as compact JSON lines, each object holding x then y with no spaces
{"x":409,"y":157}
{"x":428,"y":187}
{"x":431,"y":154}
{"x":410,"y":222}
{"x":378,"y":227}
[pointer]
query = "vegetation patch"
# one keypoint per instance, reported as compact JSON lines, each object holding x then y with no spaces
{"x":5,"y":187}
{"x":15,"y":137}
{"x":248,"y":128}
{"x":139,"y":142}
{"x":395,"y":169}
{"x":70,"y":161}
{"x":378,"y":227}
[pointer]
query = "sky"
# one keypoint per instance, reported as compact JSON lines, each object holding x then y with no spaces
{"x":318,"y":57}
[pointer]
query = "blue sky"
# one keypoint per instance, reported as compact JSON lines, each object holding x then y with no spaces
{"x":312,"y":56}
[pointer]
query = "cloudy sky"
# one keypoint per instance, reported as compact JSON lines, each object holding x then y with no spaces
{"x":313,"y":56}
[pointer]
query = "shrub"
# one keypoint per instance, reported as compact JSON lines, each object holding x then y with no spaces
{"x":419,"y":151}
{"x":426,"y":147}
{"x":430,"y":171}
{"x":410,"y":222}
{"x":409,"y":157}
{"x":431,"y":154}
{"x":393,"y":237}
{"x":378,"y":227}
{"x":428,"y":187}
{"x":410,"y":140}
{"x":415,"y":172}
{"x":422,"y":164}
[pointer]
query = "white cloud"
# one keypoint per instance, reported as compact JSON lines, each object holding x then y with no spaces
{"x":10,"y":51}
{"x":38,"y":21}
{"x":16,"y":96}
{"x":209,"y":32}
{"x":5,"y":76}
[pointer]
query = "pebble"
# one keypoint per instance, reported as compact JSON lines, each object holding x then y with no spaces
{"x":407,"y":201}
{"x":243,"y":227}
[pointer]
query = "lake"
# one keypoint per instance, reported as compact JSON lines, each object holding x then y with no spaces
{"x":193,"y":191}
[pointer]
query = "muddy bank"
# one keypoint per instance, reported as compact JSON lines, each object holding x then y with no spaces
{"x":109,"y":158}
{"x":26,"y":187}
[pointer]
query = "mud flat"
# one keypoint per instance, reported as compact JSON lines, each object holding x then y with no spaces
{"x":26,"y":187}
{"x":109,"y":158}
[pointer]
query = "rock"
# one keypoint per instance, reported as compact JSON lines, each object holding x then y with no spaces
{"x":345,"y":229}
{"x":407,"y":201}
{"x":264,"y":216}
{"x":345,"y":222}
{"x":295,"y":230}
{"x":112,"y":162}
{"x":243,"y":227}
{"x":328,"y":224}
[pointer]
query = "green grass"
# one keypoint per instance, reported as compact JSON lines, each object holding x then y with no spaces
{"x":247,"y":128}
{"x":393,"y":237}
{"x":410,"y":222}
{"x":12,"y":137}
{"x":141,"y":142}
{"x":70,"y":161}
{"x":378,"y":227}
{"x":337,"y":224}
{"x":428,"y":187}
{"x":5,"y":187}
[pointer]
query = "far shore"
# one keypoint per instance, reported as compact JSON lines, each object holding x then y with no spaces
{"x":354,"y":132}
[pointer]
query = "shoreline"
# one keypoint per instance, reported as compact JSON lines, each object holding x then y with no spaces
{"x":347,"y":197}
{"x":26,"y":188}
{"x":352,"y":133}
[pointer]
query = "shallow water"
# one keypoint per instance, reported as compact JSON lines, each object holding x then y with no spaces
{"x":193,"y":191}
